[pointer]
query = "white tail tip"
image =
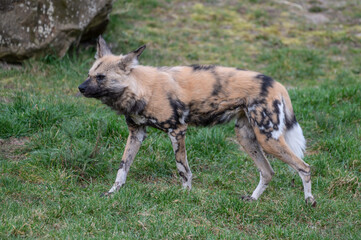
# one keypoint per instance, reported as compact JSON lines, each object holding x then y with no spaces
{"x":295,"y":140}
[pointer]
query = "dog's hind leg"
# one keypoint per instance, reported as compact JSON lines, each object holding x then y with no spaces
{"x":135,"y":139}
{"x":177,"y":136}
{"x":247,"y":139}
{"x":280,"y":149}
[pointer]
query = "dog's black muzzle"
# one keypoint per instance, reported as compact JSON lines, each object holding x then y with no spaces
{"x":82,"y":87}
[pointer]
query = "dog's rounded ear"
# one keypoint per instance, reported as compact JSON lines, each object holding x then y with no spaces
{"x":102,"y":48}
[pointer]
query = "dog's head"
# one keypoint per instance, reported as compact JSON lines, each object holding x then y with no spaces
{"x":109,"y":74}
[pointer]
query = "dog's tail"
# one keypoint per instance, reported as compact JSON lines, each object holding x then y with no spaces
{"x":293,"y":134}
{"x":295,"y":139}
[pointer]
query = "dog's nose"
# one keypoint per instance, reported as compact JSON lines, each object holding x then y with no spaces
{"x":81,"y":89}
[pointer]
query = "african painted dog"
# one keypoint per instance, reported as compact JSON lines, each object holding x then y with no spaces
{"x":171,"y":98}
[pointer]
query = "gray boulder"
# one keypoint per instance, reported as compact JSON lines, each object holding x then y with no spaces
{"x":40,"y":27}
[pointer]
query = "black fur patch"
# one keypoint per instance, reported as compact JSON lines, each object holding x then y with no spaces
{"x":121,"y":165}
{"x":277,"y":111}
{"x":217,"y":87}
{"x":265,"y":118}
{"x":187,"y":169}
{"x":256,"y":102}
{"x":183,"y":176}
{"x":197,"y":67}
{"x":130,"y":122}
{"x":267,"y":82}
{"x":137,"y":107}
{"x":178,"y":111}
{"x":276,"y":106}
{"x":304,"y":172}
{"x":199,"y":117}
{"x":178,"y":107}
{"x":129,"y":104}
{"x":213,"y":105}
{"x":159,"y":125}
{"x":291,"y":122}
{"x":93,"y":91}
{"x":261,"y":117}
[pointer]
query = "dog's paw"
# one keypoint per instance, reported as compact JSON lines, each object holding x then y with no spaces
{"x":106,"y":194}
{"x":187,"y":186}
{"x":311,"y":202}
{"x":248,"y":198}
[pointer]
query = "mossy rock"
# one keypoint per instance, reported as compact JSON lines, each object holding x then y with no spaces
{"x":43,"y":27}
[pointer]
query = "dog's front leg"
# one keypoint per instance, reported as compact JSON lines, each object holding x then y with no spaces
{"x":177,"y":136}
{"x":135,"y":139}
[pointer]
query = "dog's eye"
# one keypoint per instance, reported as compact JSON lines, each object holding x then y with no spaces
{"x":100,"y":77}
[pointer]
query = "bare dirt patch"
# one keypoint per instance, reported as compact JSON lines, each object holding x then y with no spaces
{"x":4,"y":100}
{"x":10,"y":148}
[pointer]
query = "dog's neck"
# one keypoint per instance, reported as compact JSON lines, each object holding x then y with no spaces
{"x":125,"y":103}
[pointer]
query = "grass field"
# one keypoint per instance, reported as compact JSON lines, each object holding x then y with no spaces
{"x":59,"y":152}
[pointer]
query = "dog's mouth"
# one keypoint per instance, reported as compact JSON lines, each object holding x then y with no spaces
{"x":91,"y":91}
{"x":95,"y":94}
{"x":88,"y":93}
